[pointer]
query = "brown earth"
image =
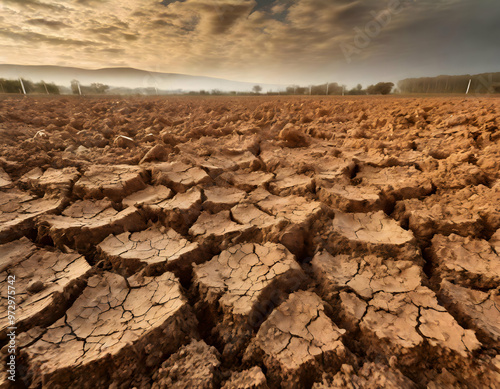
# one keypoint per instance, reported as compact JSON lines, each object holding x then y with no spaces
{"x":255,"y":242}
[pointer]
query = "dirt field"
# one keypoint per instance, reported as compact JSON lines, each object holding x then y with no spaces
{"x":259,"y":242}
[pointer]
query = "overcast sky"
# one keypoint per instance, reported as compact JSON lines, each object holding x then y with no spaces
{"x":267,"y":41}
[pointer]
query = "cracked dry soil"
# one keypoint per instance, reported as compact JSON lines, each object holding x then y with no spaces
{"x":251,"y":242}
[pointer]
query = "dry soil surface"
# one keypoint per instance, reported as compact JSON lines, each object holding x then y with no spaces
{"x":258,"y":242}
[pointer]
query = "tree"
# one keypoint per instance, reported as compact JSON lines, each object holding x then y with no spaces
{"x":46,"y":88}
{"x":257,"y":89}
{"x":334,"y":88}
{"x":382,"y":88}
{"x":358,"y":90}
{"x":481,"y":83}
{"x":29,"y":86}
{"x":98,"y":88}
{"x":13,"y":86}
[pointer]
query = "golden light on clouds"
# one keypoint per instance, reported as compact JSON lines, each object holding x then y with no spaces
{"x":277,"y":41}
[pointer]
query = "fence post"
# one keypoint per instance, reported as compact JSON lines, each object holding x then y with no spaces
{"x":22,"y":85}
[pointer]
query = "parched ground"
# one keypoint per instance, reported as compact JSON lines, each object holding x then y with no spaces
{"x":257,"y":242}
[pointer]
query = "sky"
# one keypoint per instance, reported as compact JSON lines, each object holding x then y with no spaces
{"x":267,"y":41}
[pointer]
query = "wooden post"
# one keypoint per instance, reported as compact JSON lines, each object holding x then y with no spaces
{"x":22,"y":85}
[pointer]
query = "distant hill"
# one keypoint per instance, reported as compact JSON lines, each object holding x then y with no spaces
{"x":480,"y":84}
{"x":126,"y":78}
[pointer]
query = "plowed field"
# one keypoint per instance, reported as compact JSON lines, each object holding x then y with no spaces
{"x":258,"y":242}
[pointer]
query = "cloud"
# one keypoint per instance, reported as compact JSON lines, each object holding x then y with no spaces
{"x":209,"y":16}
{"x":219,"y":17}
{"x":33,"y":37}
{"x":105,"y":30}
{"x":52,"y":24}
{"x":130,"y":37}
{"x":253,"y":40}
{"x":110,"y":50}
{"x":91,"y":3}
{"x":35,"y":4}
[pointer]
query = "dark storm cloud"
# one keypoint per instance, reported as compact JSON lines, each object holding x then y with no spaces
{"x":221,"y":16}
{"x":33,"y":37}
{"x":168,"y":2}
{"x":161,"y":23}
{"x":52,"y":24}
{"x":130,"y":37}
{"x":264,"y":5}
{"x":174,"y":22}
{"x":332,"y":16}
{"x":168,"y":15}
{"x":91,"y":3}
{"x":105,"y":30}
{"x":112,"y":50}
{"x":33,"y":4}
{"x":351,"y":12}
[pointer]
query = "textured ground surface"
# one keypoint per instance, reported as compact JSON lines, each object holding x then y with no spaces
{"x":252,"y":242}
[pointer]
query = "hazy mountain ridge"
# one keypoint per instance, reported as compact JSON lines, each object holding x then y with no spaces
{"x":126,"y":78}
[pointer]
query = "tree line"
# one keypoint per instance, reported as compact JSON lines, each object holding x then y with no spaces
{"x":16,"y":86}
{"x":479,"y":83}
{"x":333,"y":88}
{"x":95,"y":88}
{"x":42,"y":87}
